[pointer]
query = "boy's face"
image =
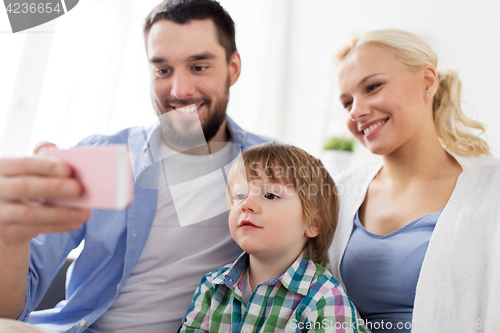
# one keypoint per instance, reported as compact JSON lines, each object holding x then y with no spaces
{"x":267,"y":219}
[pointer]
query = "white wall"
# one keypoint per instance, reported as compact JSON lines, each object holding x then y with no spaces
{"x":286,"y":89}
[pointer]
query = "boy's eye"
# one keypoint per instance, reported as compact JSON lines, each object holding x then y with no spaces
{"x":240,"y":197}
{"x":270,"y":196}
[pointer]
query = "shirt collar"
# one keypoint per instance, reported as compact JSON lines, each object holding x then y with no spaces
{"x":297,"y":278}
{"x":238,"y":135}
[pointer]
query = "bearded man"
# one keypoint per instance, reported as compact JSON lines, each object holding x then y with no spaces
{"x":139,"y":267}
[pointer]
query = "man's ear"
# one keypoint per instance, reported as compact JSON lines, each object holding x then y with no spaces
{"x":234,"y":67}
{"x":312,"y":229}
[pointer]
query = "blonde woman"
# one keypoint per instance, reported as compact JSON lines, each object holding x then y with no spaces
{"x":417,"y":245}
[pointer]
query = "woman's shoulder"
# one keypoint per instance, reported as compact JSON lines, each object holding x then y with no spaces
{"x":475,"y":161}
{"x":488,"y":161}
{"x":486,"y":166}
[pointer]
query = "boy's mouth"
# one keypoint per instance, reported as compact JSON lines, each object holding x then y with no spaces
{"x":245,"y":224}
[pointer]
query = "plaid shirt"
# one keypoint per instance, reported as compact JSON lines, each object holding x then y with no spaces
{"x":305,"y":298}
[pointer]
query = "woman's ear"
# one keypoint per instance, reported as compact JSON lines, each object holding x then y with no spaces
{"x":431,"y":80}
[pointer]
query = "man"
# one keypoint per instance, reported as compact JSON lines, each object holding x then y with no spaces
{"x":139,"y":267}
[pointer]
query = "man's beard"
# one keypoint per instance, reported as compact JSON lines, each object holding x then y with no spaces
{"x":185,"y":133}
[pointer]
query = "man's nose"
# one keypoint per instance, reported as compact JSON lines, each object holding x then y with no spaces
{"x":182,"y":85}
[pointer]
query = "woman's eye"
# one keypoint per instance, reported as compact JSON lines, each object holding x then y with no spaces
{"x":372,"y":87}
{"x":270,"y":196}
{"x":347,"y":105}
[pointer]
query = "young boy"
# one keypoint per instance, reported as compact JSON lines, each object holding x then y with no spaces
{"x":283,"y":214}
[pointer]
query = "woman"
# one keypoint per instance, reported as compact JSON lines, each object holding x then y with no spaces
{"x":417,"y":240}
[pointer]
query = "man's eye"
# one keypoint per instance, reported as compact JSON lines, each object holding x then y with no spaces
{"x":270,"y":196}
{"x":162,"y":71}
{"x":240,"y":197}
{"x":199,"y":68}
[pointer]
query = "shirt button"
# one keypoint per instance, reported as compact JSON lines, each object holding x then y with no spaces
{"x":83,"y":323}
{"x":117,"y":286}
{"x":145,"y":155}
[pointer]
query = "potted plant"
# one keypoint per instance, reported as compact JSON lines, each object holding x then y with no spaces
{"x":337,"y":154}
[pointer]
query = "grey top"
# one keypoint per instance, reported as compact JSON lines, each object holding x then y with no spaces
{"x":380,"y":272}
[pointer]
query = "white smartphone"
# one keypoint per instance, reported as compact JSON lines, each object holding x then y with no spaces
{"x":105,"y":173}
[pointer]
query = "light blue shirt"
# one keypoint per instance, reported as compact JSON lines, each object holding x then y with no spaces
{"x":113,"y":242}
{"x":380,"y":272}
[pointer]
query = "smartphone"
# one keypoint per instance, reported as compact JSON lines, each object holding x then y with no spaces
{"x":105,"y":173}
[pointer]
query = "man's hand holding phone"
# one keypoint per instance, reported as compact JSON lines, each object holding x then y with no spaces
{"x":24,"y":182}
{"x":51,"y":191}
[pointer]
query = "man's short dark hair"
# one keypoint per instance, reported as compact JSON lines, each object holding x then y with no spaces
{"x":184,"y":11}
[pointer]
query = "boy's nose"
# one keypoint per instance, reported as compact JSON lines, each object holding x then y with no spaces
{"x":247,"y":209}
{"x":250,"y":205}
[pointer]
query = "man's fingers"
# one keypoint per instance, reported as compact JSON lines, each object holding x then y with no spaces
{"x":33,"y":188}
{"x":58,"y":218}
{"x":19,"y":223}
{"x":33,"y":166}
{"x":20,"y":234}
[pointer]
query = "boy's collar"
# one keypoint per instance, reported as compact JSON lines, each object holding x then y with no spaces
{"x":297,"y":278}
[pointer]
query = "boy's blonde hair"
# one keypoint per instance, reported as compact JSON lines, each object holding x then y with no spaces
{"x":289,"y":165}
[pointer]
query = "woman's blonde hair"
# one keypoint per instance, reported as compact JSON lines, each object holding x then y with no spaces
{"x":289,"y":165}
{"x":452,"y":126}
